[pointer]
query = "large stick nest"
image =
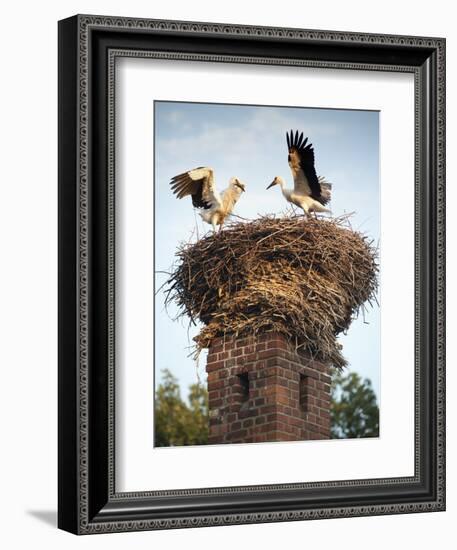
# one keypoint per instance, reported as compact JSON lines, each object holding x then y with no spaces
{"x":304,"y":278}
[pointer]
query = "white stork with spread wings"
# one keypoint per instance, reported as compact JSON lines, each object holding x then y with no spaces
{"x":199,"y":183}
{"x":311,"y":193}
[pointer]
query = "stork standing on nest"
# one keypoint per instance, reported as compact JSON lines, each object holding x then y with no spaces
{"x":311,"y":193}
{"x":199,"y":183}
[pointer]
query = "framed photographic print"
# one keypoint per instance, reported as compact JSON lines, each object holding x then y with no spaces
{"x":251,"y":274}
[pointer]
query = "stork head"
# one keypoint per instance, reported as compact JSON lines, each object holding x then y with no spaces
{"x":277,"y":181}
{"x":237,"y":184}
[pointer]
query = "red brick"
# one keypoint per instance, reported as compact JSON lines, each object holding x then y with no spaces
{"x":265,"y":409}
{"x":273,"y":411}
{"x":216,"y":347}
{"x":247,"y":422}
{"x":244,"y":413}
{"x":260,"y":438}
{"x":242,"y":342}
{"x":276,"y":344}
{"x":238,"y":434}
{"x":312,"y":418}
{"x":211,"y":367}
{"x":270,"y":426}
{"x":325,"y":378}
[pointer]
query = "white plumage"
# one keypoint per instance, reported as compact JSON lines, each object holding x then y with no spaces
{"x":199,"y":184}
{"x":311,"y":193}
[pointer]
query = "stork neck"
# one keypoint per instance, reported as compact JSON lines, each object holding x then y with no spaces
{"x":284,"y":190}
{"x":229,"y":199}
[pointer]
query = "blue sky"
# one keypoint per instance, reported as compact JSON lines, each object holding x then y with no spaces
{"x":249,"y":142}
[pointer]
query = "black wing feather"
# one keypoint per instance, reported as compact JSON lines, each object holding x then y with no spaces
{"x":182,"y":184}
{"x":197,"y":199}
{"x":306,"y":154}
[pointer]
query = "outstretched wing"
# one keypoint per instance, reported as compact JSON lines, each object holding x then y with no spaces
{"x":301,"y":162}
{"x":326,"y":190}
{"x":199,"y":183}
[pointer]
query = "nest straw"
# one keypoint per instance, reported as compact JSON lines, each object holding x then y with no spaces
{"x":304,"y":278}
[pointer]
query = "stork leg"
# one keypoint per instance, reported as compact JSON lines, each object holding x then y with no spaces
{"x":214,"y":221}
{"x":317,"y":207}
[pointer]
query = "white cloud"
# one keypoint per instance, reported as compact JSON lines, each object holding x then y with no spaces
{"x":238,"y":143}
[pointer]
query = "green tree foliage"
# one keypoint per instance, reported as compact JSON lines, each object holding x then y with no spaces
{"x":354,"y":412}
{"x":178,"y":422}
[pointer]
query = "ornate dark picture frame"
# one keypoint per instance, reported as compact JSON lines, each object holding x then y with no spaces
{"x":88,"y":47}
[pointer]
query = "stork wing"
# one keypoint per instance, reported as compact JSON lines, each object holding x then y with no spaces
{"x":301,"y":162}
{"x":199,"y":183}
{"x":326,"y":190}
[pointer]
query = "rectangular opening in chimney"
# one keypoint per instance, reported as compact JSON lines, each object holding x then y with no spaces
{"x":244,"y":386}
{"x":304,"y":393}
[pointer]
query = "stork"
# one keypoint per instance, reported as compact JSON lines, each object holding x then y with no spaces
{"x":199,"y":183}
{"x":311,"y":193}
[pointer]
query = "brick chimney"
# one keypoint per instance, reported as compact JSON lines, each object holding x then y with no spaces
{"x":262,"y":389}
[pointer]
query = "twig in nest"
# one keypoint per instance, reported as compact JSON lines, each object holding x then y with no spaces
{"x":304,"y":278}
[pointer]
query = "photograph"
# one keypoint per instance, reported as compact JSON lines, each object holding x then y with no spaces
{"x":251,"y":321}
{"x":267,"y":268}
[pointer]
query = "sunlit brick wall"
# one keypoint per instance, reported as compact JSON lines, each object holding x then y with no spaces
{"x":262,"y":389}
